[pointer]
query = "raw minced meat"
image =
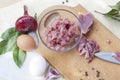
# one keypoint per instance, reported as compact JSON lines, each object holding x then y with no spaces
{"x":61,"y":33}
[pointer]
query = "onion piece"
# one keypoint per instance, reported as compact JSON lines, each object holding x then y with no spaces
{"x":117,"y":56}
{"x":86,"y":20}
{"x":88,"y":48}
{"x":52,"y":74}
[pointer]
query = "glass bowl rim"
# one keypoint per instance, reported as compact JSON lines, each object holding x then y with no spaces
{"x":64,"y":50}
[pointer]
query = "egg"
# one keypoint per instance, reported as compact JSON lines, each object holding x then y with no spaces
{"x":38,"y":66}
{"x":26,"y":42}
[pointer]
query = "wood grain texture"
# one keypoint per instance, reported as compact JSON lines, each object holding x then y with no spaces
{"x":73,"y":66}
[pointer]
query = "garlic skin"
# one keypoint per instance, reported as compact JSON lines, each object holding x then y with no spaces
{"x":38,"y":66}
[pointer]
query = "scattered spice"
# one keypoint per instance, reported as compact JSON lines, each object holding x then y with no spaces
{"x":86,"y":73}
{"x":93,"y":68}
{"x":63,"y":2}
{"x":108,"y":41}
{"x":98,"y":73}
{"x":67,"y":1}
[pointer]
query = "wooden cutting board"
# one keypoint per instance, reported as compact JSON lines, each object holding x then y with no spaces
{"x":73,"y":66}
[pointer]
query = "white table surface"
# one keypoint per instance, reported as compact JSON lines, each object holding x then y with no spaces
{"x":9,"y":14}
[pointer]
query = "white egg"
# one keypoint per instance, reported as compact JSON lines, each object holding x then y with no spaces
{"x":38,"y":66}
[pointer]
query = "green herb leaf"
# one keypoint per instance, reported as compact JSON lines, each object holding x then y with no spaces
{"x":19,"y":56}
{"x":111,"y":13}
{"x":114,"y":12}
{"x":116,"y":18}
{"x":118,"y":15}
{"x":9,"y":44}
{"x":12,"y":42}
{"x":3,"y":46}
{"x":35,"y":16}
{"x":116,"y":6}
{"x":9,"y":40}
{"x":9,"y":33}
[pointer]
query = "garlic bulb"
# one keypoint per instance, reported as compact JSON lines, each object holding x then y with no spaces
{"x":38,"y":66}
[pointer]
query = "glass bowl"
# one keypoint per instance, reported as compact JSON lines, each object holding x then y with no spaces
{"x":48,"y":18}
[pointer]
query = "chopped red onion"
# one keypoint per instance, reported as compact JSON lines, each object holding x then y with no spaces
{"x":88,"y":48}
{"x":61,"y":33}
{"x":86,"y":20}
{"x":53,"y":71}
{"x":117,"y":56}
{"x":108,"y":41}
{"x":52,"y":74}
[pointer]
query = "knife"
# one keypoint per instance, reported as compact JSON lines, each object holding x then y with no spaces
{"x":108,"y":56}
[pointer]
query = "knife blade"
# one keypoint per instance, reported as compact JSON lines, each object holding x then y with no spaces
{"x":108,"y":56}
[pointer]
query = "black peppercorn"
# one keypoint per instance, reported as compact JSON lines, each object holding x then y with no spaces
{"x":93,"y":68}
{"x":63,"y":3}
{"x":98,"y":74}
{"x":67,"y":1}
{"x":86,"y":73}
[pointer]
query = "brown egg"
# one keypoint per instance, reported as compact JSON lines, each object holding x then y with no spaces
{"x":26,"y":42}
